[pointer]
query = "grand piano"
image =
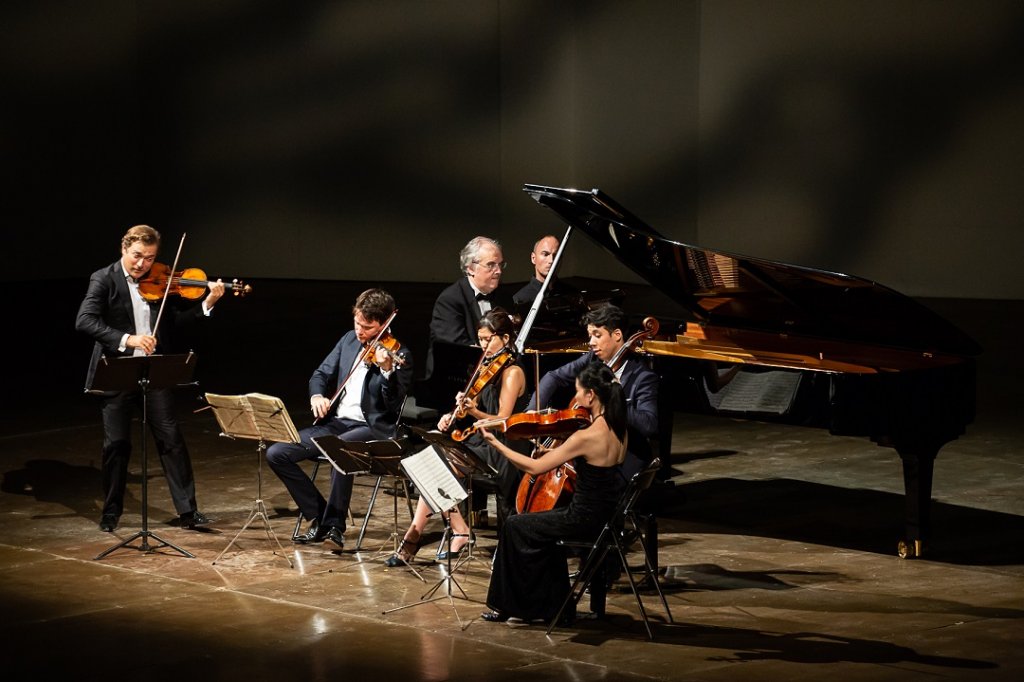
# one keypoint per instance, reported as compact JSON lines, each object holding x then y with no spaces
{"x":776,"y":342}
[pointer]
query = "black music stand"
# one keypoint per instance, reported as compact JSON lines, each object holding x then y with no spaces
{"x":262,"y":418}
{"x":442,"y":492}
{"x":378,"y":458}
{"x":143,"y":372}
{"x":467,"y":463}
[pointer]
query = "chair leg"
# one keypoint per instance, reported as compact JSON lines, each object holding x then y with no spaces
{"x":652,"y":574}
{"x":298,"y":521}
{"x":369,"y":510}
{"x":584,"y":577}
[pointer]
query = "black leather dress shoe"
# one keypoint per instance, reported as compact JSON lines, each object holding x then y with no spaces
{"x":108,"y":522}
{"x":312,"y":535}
{"x":494,"y":616}
{"x":194,"y":518}
{"x":334,"y":534}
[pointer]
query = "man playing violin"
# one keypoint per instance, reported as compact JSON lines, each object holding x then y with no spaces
{"x":606,"y":327}
{"x":373,"y":382}
{"x":115,"y":315}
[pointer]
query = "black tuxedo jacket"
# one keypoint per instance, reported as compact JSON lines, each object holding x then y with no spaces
{"x":106,"y":315}
{"x":456,"y":316}
{"x":381,"y":399}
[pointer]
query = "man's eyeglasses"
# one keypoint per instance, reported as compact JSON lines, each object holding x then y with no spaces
{"x":492,"y":265}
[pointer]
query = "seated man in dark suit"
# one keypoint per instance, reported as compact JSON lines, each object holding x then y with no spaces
{"x":606,"y":327}
{"x":367,"y":409}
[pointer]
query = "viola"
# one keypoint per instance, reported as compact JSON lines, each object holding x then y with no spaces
{"x":550,"y":423}
{"x":189,"y":283}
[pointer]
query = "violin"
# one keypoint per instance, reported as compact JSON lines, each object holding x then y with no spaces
{"x":486,"y":371}
{"x":390,"y":345}
{"x":189,"y":283}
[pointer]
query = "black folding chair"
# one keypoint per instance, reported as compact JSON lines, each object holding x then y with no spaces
{"x":611,"y":538}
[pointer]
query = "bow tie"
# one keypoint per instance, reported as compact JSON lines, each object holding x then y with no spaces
{"x":483,"y":297}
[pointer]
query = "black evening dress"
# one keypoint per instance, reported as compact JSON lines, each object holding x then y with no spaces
{"x":531,"y":573}
{"x":506,"y":476}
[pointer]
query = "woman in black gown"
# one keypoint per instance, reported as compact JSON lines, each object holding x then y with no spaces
{"x":531,"y":573}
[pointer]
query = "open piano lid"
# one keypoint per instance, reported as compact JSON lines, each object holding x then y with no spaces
{"x":730,"y":291}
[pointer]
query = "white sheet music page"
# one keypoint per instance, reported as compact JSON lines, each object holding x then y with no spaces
{"x":435,"y":481}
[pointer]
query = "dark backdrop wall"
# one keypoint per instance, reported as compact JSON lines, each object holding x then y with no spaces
{"x":357,"y":140}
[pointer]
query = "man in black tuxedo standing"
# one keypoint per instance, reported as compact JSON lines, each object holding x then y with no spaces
{"x":458,"y":308}
{"x":120,"y":321}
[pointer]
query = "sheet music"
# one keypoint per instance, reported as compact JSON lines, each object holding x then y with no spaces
{"x":769,"y":392}
{"x":434,"y":479}
{"x":253,"y":415}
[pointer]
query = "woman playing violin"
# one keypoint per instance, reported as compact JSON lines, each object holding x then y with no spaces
{"x":494,"y":395}
{"x":530,"y":577}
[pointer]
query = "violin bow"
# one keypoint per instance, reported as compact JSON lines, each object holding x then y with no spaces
{"x":167,"y":290}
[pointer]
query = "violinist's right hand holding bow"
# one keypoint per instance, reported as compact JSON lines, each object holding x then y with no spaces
{"x":444,"y":422}
{"x":145,"y":342}
{"x":319,"y":405}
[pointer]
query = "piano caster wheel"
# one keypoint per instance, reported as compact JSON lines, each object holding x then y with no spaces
{"x":909,"y":549}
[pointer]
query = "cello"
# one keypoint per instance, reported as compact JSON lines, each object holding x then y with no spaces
{"x":543,"y":492}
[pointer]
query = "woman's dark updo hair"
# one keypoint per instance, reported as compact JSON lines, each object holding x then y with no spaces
{"x":598,"y":378}
{"x":498,"y":321}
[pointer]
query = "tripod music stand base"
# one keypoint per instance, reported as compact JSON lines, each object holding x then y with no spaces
{"x":144,"y":547}
{"x":259,"y":511}
{"x":446,"y":581}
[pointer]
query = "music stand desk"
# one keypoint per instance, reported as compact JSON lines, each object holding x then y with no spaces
{"x":259,"y":417}
{"x":380,"y":458}
{"x":467,"y":463}
{"x":143,"y":372}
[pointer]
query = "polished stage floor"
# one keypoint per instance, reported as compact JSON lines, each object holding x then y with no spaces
{"x":777,"y":553}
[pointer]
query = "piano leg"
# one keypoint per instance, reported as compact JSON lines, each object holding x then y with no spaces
{"x":918,"y":465}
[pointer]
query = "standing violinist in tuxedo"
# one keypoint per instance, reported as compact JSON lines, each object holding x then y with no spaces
{"x":367,"y":408}
{"x":606,"y":327}
{"x":457,"y":310}
{"x":120,"y":322}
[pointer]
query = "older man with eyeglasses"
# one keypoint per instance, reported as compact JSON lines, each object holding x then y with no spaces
{"x":459,"y":307}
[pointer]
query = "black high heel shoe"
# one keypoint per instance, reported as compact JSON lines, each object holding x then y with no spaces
{"x":494,"y":616}
{"x":454,"y":553}
{"x":403,"y":556}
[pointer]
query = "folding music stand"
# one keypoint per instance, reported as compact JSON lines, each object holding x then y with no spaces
{"x":442,"y":492}
{"x":143,"y":372}
{"x":380,"y":458}
{"x":262,"y":418}
{"x":467,"y":463}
